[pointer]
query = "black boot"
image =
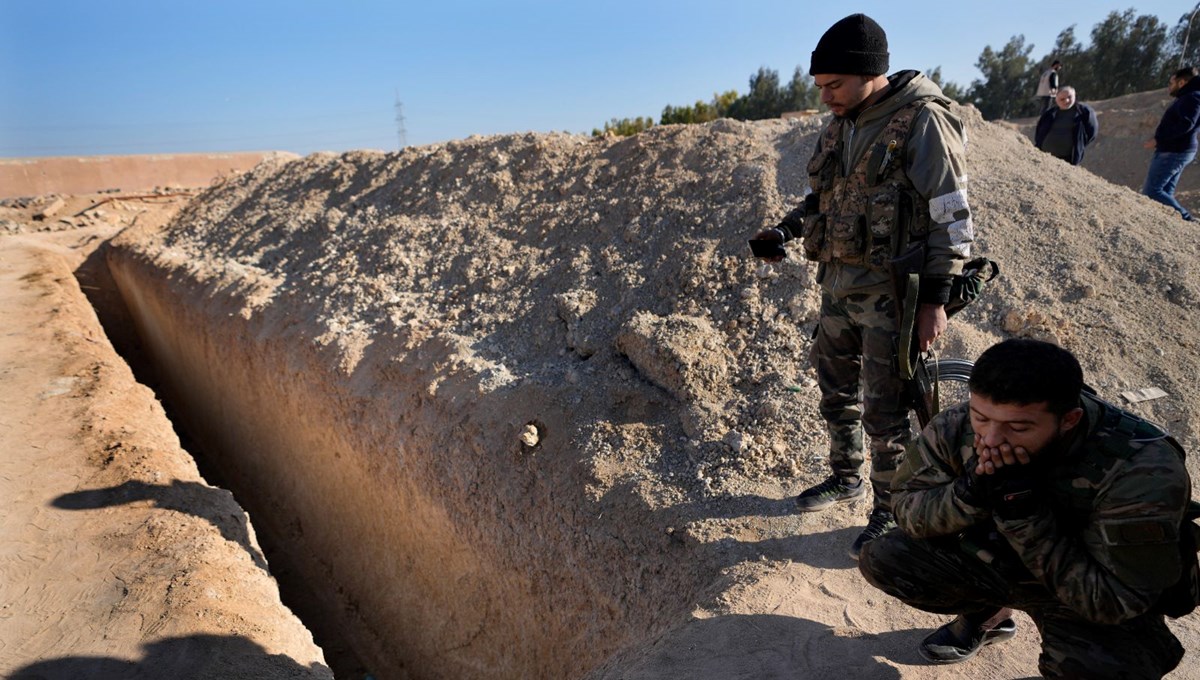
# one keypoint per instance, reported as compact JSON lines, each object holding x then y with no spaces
{"x":963,"y":637}
{"x":879,"y":523}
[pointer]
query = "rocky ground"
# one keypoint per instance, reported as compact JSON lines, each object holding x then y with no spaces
{"x":615,"y":272}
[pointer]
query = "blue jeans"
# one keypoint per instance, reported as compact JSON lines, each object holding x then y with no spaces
{"x":1163,"y":175}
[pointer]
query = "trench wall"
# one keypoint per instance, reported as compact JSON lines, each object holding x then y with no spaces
{"x":444,"y":546}
{"x":119,"y":560}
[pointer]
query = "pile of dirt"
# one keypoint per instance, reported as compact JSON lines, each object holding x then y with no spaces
{"x":131,"y":174}
{"x":562,"y":346}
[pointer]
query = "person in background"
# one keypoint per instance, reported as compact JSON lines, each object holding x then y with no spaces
{"x":1038,"y":496}
{"x":1174,"y":140}
{"x":1065,"y":130}
{"x":1048,"y":86}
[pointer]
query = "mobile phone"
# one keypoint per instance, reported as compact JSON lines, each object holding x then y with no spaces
{"x":766,"y":247}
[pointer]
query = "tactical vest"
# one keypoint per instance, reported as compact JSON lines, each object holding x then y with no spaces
{"x":867,"y":216}
{"x":1115,"y":440}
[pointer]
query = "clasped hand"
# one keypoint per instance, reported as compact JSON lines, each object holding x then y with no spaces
{"x":991,"y":459}
{"x":1003,"y":479}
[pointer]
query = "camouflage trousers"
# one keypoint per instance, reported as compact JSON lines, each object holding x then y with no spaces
{"x":854,"y":354}
{"x":938,"y":576}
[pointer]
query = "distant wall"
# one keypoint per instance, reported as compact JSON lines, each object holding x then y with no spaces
{"x":89,"y":174}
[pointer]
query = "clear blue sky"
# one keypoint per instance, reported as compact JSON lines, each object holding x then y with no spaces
{"x":94,"y":77}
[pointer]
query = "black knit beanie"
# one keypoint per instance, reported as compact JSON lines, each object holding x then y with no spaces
{"x":855,"y":45}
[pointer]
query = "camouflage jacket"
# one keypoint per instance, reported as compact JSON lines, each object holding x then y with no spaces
{"x":860,"y":168}
{"x":1106,"y":543}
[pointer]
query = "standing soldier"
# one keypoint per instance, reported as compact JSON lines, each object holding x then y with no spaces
{"x":1038,"y":496}
{"x":888,"y":182}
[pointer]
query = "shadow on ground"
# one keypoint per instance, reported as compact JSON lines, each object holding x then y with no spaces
{"x":216,"y":506}
{"x":183,"y":658}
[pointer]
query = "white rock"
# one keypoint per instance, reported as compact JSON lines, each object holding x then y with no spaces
{"x":736,"y":440}
{"x":530,"y":437}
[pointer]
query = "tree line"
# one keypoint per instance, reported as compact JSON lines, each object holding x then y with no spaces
{"x":1128,"y":53}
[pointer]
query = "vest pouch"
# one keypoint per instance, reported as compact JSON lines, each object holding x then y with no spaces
{"x":846,"y":234}
{"x":882,"y":217}
{"x":823,"y":167}
{"x":813,"y":236}
{"x":1181,"y":598}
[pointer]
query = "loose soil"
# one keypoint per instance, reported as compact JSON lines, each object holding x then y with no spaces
{"x":118,"y":559}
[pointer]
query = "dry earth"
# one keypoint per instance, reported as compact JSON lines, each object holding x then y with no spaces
{"x":544,"y":370}
{"x":117,"y":559}
{"x":121,"y":174}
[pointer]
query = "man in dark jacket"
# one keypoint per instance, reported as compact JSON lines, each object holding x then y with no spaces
{"x":1174,"y":141}
{"x":1066,"y":129}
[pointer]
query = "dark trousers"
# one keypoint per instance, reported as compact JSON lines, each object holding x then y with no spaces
{"x":938,"y":576}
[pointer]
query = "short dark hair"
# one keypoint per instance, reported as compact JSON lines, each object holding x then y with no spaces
{"x":1024,"y":371}
{"x":1186,"y":73}
{"x":1056,"y":63}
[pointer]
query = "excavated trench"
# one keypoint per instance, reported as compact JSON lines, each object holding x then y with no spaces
{"x":481,"y":395}
{"x":401,"y":560}
{"x":299,"y":594}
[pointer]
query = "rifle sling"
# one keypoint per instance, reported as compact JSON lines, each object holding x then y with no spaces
{"x":908,"y":327}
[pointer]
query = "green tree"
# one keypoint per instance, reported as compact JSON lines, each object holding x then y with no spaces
{"x":950,"y":89}
{"x":724,"y":101}
{"x":624,"y":127}
{"x":1006,"y":89}
{"x":801,"y":92}
{"x":675,"y":115}
{"x":1129,"y":54}
{"x":1077,"y":69}
{"x":765,"y":99}
{"x":700,"y":112}
{"x":1183,"y":45}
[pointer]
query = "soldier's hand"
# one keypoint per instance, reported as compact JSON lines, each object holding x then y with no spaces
{"x":931,"y":323}
{"x":994,"y":458}
{"x":971,"y":486}
{"x":775,"y":235}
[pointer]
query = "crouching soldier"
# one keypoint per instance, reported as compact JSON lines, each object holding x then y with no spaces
{"x":1035,"y":495}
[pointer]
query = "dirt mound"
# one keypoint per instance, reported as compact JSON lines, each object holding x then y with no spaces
{"x":558,"y":350}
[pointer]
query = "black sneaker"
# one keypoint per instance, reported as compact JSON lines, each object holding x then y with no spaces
{"x":828,"y":492}
{"x":956,"y":642}
{"x":880,"y":522}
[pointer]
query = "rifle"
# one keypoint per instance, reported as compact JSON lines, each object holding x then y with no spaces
{"x":912,"y":364}
{"x":916,"y":368}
